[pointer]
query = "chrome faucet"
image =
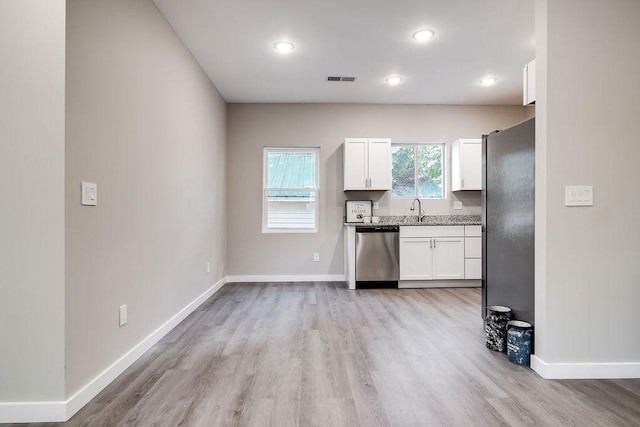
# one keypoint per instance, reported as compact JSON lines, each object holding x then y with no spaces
{"x":413,"y":208}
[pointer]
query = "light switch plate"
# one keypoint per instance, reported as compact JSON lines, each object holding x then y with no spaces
{"x":89,"y":194}
{"x":578,"y":195}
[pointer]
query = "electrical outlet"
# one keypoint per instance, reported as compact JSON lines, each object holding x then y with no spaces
{"x":123,"y":314}
{"x":316,"y":257}
{"x":457,"y":205}
{"x":375,"y":205}
{"x":208,"y":267}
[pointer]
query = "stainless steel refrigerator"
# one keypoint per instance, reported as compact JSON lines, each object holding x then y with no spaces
{"x":508,"y":192}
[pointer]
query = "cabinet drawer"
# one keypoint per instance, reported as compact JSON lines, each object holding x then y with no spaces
{"x":473,"y":268}
{"x":473,"y":247}
{"x":472,"y":231}
{"x":432,"y":231}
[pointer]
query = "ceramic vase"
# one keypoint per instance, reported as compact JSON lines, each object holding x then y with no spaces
{"x":495,"y":327}
{"x":519,"y":339}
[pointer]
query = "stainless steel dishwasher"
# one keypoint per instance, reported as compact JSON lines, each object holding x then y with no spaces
{"x":377,"y":255}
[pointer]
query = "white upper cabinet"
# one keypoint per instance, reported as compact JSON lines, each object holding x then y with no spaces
{"x":356,"y":165}
{"x":529,"y":83}
{"x":466,"y":164}
{"x":367,"y":164}
{"x":379,"y":164}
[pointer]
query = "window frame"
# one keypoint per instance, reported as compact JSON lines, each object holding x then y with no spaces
{"x":265,"y":189}
{"x":444,"y":169}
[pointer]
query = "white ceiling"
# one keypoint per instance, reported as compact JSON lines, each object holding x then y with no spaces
{"x":370,"y":39}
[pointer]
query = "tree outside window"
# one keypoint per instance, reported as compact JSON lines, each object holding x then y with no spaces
{"x":418,"y":170}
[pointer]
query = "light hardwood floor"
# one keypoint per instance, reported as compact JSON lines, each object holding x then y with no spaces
{"x":307,"y":354}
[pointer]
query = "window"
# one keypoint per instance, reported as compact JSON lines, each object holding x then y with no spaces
{"x":290,"y":190}
{"x":418,"y":170}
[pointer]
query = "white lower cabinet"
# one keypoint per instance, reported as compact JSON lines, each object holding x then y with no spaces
{"x":432,"y":253}
{"x":448,"y":258}
{"x":416,"y":260}
{"x":473,"y":268}
{"x":473,"y":252}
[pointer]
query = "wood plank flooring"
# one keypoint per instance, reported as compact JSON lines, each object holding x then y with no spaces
{"x":317,"y":354}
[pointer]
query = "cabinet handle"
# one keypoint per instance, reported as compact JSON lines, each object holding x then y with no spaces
{"x":430,"y":243}
{"x":434,"y":243}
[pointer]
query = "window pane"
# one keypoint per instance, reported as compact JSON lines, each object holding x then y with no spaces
{"x":290,"y":194}
{"x":291,"y":209}
{"x":404,"y":173}
{"x":291,"y":170}
{"x":430,"y":171}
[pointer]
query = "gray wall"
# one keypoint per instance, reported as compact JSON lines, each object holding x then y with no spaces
{"x":32,"y":34}
{"x":252,"y":126}
{"x":587,"y":287}
{"x":145,"y":124}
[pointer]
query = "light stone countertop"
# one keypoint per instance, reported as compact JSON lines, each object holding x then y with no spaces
{"x":428,"y":220}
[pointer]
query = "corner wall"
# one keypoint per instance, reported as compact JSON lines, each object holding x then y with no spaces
{"x":32,"y":257}
{"x":253,"y":126}
{"x":587,"y":284}
{"x":145,"y":123}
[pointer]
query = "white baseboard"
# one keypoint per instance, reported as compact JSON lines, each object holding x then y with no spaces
{"x":414,"y":284}
{"x":287,"y":278}
{"x":33,"y":412}
{"x":584,"y":371}
{"x":27,"y":412}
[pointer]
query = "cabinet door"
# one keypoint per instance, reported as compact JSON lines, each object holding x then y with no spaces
{"x":415,"y":259}
{"x":379,"y":164}
{"x":473,"y":268}
{"x":473,"y":247}
{"x":466,"y":164}
{"x":471,"y":165}
{"x":448,"y":258}
{"x":355,"y":163}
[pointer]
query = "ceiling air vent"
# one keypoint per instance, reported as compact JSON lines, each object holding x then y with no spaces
{"x":341,"y":79}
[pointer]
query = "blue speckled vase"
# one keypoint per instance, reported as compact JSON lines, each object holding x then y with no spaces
{"x":519,"y":338}
{"x":495,"y":327}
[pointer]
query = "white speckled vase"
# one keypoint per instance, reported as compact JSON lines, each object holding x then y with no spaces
{"x":495,"y":327}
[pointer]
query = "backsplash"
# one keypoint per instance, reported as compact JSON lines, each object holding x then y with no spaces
{"x":391,"y":206}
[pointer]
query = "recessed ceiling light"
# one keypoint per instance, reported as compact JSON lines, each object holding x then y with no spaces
{"x":422,"y":35}
{"x":489,"y":81}
{"x":283,"y":46}
{"x":393,"y":80}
